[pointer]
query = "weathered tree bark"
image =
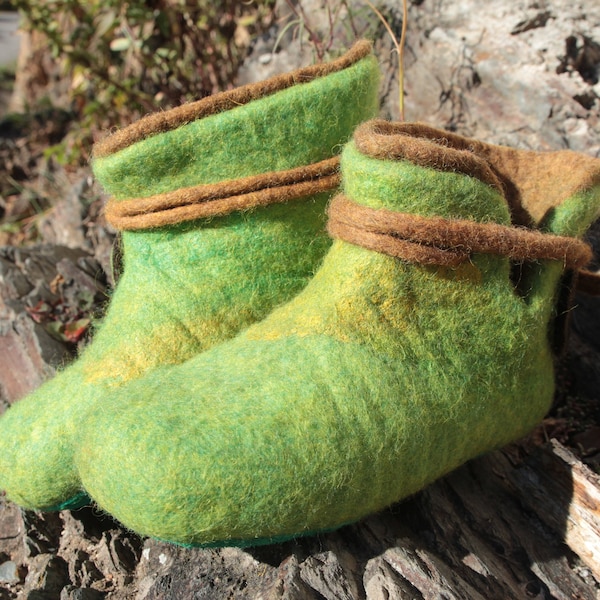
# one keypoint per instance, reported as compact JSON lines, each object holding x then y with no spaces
{"x":520,"y":523}
{"x":41,"y":292}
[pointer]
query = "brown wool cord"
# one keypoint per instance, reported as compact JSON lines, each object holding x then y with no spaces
{"x":392,"y":246}
{"x":448,"y":242}
{"x":219,"y":199}
{"x":161,"y":122}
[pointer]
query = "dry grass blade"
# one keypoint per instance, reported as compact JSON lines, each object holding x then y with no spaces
{"x":399,"y":48}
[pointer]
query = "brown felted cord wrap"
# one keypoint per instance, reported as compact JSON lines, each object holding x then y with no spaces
{"x":219,"y":199}
{"x":447,"y":242}
{"x":166,"y":121}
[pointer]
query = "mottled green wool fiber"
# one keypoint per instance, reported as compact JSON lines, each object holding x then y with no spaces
{"x":378,"y":378}
{"x":189,"y":286}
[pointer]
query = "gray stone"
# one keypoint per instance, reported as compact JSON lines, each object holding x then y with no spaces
{"x":9,"y":572}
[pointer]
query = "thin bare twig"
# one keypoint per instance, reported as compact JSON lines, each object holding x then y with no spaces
{"x":399,"y":48}
{"x":314,"y":38}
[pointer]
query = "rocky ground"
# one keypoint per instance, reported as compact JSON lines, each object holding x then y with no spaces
{"x":521,"y":523}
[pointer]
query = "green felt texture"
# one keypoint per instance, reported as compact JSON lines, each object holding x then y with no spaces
{"x":378,"y":378}
{"x":187,"y":287}
{"x":299,"y":122}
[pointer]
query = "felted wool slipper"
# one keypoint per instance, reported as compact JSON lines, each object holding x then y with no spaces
{"x":222,"y":207}
{"x":422,"y":342}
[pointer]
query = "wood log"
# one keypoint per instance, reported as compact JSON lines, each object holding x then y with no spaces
{"x":565,"y":494}
{"x":514,"y":524}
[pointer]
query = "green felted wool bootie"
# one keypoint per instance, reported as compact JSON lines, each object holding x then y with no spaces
{"x":420,"y":343}
{"x":222,"y":207}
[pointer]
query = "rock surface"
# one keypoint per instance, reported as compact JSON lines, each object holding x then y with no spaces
{"x":511,"y":525}
{"x":522,"y":73}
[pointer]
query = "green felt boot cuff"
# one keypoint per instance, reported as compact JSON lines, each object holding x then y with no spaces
{"x":283,"y":123}
{"x":405,"y":187}
{"x":551,"y":191}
